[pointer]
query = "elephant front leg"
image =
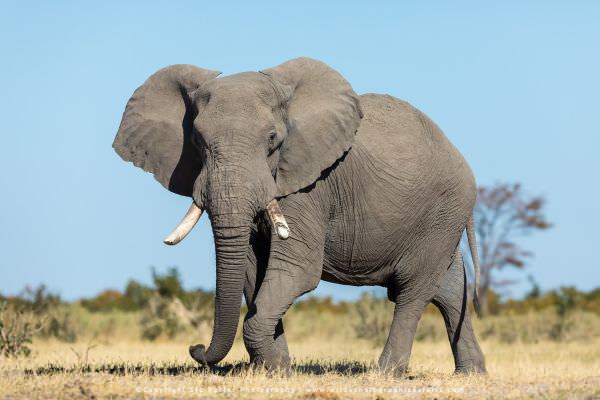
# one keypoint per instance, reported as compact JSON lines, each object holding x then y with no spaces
{"x":277,"y":292}
{"x":257,"y":265}
{"x":294,"y":269}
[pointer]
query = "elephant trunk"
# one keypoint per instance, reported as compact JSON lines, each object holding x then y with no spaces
{"x":231,"y":249}
{"x":231,"y":217}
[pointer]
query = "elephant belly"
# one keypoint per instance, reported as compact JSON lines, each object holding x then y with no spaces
{"x":373,"y":224}
{"x":365,"y":248}
{"x":402,"y":189}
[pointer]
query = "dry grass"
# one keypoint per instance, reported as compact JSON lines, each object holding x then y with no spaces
{"x":323,"y":370}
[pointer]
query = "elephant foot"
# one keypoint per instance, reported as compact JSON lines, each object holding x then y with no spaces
{"x":387,"y":367}
{"x":393,"y":364}
{"x":283,"y":371}
{"x":274,"y":364}
{"x":396,"y":372}
{"x":471,"y":369}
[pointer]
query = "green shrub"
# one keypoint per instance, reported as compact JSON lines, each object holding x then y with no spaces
{"x":60,"y":324}
{"x":137,"y":296}
{"x":17,"y":328}
{"x":373,"y":318}
{"x":134,"y":298}
{"x":41,"y":305}
{"x":169,"y":284}
{"x":107,"y":300}
{"x":539,"y":326}
{"x":171,"y":318}
{"x":431,"y":327}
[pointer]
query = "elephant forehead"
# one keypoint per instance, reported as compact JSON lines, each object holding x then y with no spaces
{"x":243,"y":87}
{"x":234,"y":114}
{"x":235,"y":103}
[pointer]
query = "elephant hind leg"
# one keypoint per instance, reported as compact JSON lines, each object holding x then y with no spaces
{"x":451,"y":300}
{"x":412,"y":287}
{"x":396,"y":353}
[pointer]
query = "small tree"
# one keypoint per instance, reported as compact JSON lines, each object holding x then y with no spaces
{"x":169,"y":284}
{"x":503,"y":213}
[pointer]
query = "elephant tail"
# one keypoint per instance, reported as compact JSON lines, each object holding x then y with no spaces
{"x":473,"y":248}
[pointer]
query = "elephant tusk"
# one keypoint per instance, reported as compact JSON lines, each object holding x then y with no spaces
{"x":188,"y":221}
{"x":278,"y":220}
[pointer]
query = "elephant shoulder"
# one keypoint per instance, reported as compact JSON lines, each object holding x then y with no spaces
{"x":390,"y":116}
{"x":379,"y":107}
{"x":394,"y":130}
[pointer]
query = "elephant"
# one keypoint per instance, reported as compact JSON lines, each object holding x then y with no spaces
{"x":303,"y":180}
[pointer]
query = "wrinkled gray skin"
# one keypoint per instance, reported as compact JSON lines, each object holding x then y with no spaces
{"x":372,"y":190}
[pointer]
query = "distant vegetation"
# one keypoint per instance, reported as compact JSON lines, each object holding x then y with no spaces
{"x":137,"y":296}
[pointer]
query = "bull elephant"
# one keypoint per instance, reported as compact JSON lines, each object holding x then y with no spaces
{"x":304,"y":180}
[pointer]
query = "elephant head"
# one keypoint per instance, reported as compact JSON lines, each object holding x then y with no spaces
{"x":235,"y":145}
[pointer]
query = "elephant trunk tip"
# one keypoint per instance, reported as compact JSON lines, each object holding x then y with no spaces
{"x":198,"y":353}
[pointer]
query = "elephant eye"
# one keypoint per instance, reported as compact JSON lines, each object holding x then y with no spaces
{"x":273,"y":141}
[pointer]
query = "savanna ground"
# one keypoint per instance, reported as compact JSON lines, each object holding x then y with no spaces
{"x":329,"y":370}
{"x":532,"y":355}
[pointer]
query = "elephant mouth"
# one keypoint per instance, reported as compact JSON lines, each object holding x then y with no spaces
{"x":193,"y":214}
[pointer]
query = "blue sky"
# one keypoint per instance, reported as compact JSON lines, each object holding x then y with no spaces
{"x":515,"y":85}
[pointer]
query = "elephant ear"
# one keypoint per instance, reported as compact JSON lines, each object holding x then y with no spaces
{"x":323,"y":114}
{"x":156,"y":129}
